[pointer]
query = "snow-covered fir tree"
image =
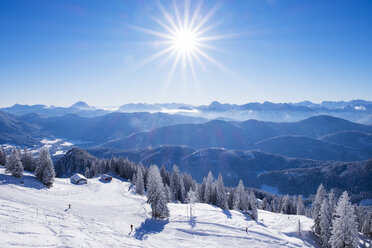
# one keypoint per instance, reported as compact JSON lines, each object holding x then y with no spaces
{"x":208,"y":188}
{"x":14,"y":164}
{"x":28,"y":160}
{"x":176,"y":185}
{"x":156,"y":196}
{"x":300,"y":209}
{"x":366,"y":224}
{"x":192,"y":196}
{"x":168,"y":193}
{"x":285,"y":208}
{"x":320,"y":194}
{"x":2,"y":156}
{"x":344,"y":231}
{"x":221,"y":194}
{"x":332,"y":202}
{"x":325,"y":223}
{"x":165,"y":175}
{"x":264,"y":204}
{"x":253,"y":205}
{"x":44,"y":170}
{"x":140,"y":185}
{"x":240,"y":198}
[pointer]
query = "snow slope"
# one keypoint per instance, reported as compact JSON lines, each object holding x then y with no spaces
{"x":101,"y":214}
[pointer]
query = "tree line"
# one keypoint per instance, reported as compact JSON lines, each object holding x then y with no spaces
{"x":18,"y":161}
{"x":337,"y":223}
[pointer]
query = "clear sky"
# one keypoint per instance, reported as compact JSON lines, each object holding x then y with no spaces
{"x":59,"y":52}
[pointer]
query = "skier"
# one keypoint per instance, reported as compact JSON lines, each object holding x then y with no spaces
{"x":69,"y":206}
{"x":131,"y":227}
{"x":246,"y":230}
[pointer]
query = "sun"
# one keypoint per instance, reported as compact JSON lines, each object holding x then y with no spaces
{"x":185,"y":37}
{"x":185,"y":41}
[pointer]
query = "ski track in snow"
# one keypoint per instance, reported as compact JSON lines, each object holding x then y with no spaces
{"x":101,"y":214}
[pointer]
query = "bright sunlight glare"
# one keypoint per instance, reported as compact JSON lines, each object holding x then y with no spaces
{"x":185,"y":37}
{"x":185,"y":41}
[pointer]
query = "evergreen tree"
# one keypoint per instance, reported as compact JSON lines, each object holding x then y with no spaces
{"x":332,"y":203}
{"x":2,"y":157}
{"x":168,"y":193}
{"x":253,"y":205}
{"x":14,"y":164}
{"x":156,"y":196}
{"x":175,"y":184}
{"x":28,"y":160}
{"x":285,"y":205}
{"x":140,"y":185}
{"x":230,"y":198}
{"x":264,"y":204}
{"x":44,"y":170}
{"x":325,"y":223}
{"x":165,"y":175}
{"x":221,"y":194}
{"x":300,"y":210}
{"x":208,"y":188}
{"x":192,"y":196}
{"x":320,"y":194}
{"x":366,"y":228}
{"x":239,"y":197}
{"x":344,"y":231}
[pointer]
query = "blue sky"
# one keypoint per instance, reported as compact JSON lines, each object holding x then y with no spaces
{"x":59,"y":52}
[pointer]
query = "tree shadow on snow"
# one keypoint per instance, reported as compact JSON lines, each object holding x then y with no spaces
{"x":150,"y":226}
{"x":192,"y":221}
{"x":247,"y":216}
{"x":28,"y":181}
{"x":227,"y":213}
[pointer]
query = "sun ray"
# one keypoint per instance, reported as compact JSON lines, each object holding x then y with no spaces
{"x":167,"y":16}
{"x":195,"y":15}
{"x":168,"y":28}
{"x":210,"y":59}
{"x":155,"y":56}
{"x":174,"y":66}
{"x":149,"y":31}
{"x":186,"y":15}
{"x":177,"y":14}
{"x":208,"y":16}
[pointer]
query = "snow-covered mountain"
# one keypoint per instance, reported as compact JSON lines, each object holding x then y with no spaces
{"x":101,"y":215}
{"x":356,"y":110}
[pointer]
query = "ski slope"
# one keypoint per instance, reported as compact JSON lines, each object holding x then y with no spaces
{"x":101,"y":215}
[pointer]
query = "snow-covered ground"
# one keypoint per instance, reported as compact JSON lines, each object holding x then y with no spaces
{"x":101,"y":215}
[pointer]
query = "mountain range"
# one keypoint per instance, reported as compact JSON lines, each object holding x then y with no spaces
{"x":355,"y":110}
{"x":281,"y":155}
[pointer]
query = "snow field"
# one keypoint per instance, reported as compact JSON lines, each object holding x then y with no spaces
{"x":101,"y":215}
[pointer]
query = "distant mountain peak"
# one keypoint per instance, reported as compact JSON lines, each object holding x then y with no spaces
{"x":80,"y":105}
